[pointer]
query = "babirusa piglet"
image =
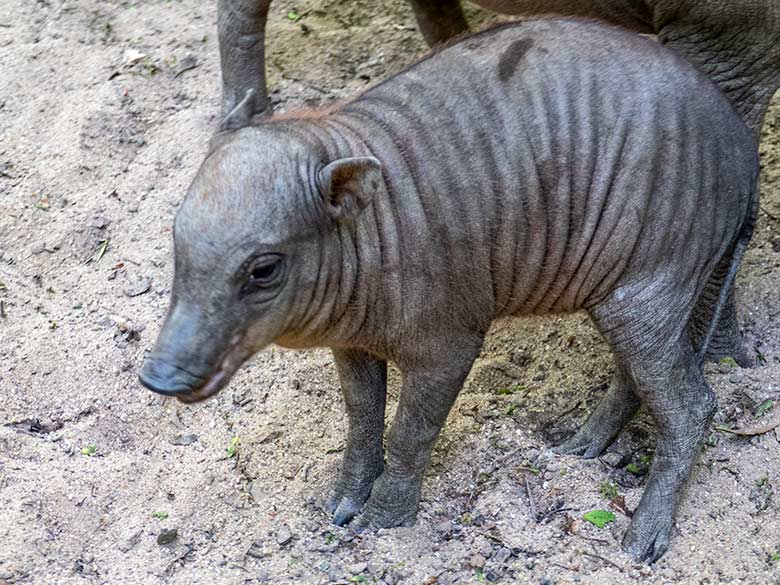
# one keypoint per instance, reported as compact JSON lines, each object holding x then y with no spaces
{"x":549,"y":166}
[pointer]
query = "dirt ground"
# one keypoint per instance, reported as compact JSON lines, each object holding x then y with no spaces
{"x":105,"y":112}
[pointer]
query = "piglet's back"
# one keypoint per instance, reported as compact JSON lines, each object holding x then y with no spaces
{"x":555,"y":147}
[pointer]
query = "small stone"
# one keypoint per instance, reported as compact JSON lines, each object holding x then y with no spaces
{"x":139,"y":287}
{"x":283,"y":536}
{"x":167,"y":536}
{"x":184,"y":440}
{"x":502,"y":555}
{"x":477,"y":561}
{"x":256,"y":550}
{"x":100,"y":222}
{"x":357,"y":568}
{"x":736,"y":378}
{"x":133,"y":56}
{"x":612,"y":459}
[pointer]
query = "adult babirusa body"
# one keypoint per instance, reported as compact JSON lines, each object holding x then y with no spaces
{"x":544,"y":167}
{"x":735,"y":42}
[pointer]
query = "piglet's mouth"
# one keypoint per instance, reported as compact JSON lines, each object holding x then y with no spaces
{"x":231,"y":360}
{"x":160,"y":376}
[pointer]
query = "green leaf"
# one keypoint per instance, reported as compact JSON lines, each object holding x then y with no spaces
{"x":608,"y":490}
{"x":232,"y":449}
{"x":764,"y":407}
{"x":599,"y":518}
{"x":728,"y":361}
{"x":510,"y":390}
{"x":101,"y":250}
{"x":160,"y":515}
{"x":294,"y":16}
{"x":636,"y":469}
{"x":774,"y":557}
{"x":89,"y":450}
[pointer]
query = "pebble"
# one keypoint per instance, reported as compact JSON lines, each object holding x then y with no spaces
{"x":100,"y":222}
{"x":184,"y":440}
{"x":167,"y":536}
{"x":139,"y":287}
{"x":477,"y":561}
{"x":357,"y":568}
{"x":283,"y":536}
{"x":256,"y":550}
{"x":502,"y":555}
{"x":612,"y":459}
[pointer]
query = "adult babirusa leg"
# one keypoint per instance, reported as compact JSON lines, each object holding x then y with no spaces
{"x":241,"y":30}
{"x":364,"y":386}
{"x":614,"y":410}
{"x":427,"y":395}
{"x":439,"y":20}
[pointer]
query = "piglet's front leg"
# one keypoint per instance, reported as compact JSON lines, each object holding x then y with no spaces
{"x":426,"y":398}
{"x":364,"y":386}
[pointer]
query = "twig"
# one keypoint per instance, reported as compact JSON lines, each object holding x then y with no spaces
{"x":574,"y":569}
{"x":604,"y":559}
{"x":4,"y":25}
{"x":564,"y":413}
{"x":507,"y":456}
{"x":592,"y":539}
{"x":771,"y":216}
{"x":531,"y":504}
{"x":515,"y":550}
{"x":749,"y":432}
{"x":494,"y":538}
{"x":185,"y":69}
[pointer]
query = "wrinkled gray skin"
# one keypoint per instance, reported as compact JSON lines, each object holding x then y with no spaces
{"x":545,"y":167}
{"x":736,"y":42}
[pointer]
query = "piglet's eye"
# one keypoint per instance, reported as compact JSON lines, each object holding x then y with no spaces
{"x":262,"y":273}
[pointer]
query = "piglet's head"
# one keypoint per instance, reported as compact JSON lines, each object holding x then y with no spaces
{"x":253,"y":242}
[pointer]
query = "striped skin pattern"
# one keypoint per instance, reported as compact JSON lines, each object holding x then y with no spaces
{"x":550,"y":166}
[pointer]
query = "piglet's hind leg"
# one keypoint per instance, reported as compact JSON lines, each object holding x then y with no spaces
{"x":649,"y":337}
{"x":617,"y":407}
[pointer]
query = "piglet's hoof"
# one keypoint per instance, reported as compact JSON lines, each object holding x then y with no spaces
{"x":647,"y":537}
{"x":350,"y":492}
{"x":393,"y":503}
{"x":583,"y":443}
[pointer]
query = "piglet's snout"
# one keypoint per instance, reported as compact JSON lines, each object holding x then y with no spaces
{"x":165,"y":378}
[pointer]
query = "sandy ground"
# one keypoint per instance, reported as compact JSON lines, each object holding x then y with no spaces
{"x":105,"y":111}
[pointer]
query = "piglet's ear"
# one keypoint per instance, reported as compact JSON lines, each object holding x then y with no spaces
{"x":348,"y":184}
{"x":241,"y":115}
